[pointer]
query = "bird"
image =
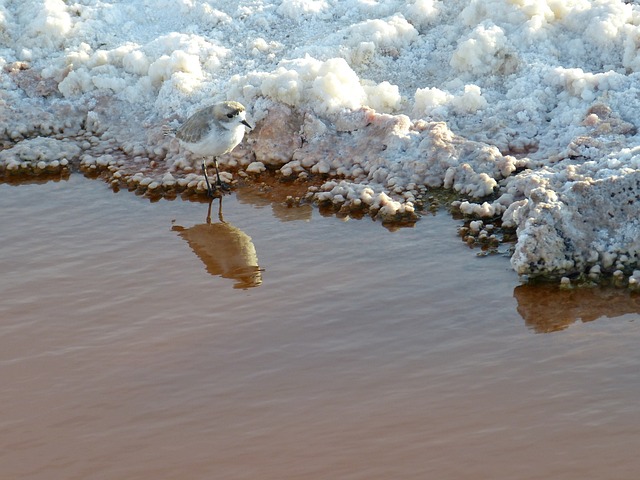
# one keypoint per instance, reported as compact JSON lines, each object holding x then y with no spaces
{"x":213,"y":131}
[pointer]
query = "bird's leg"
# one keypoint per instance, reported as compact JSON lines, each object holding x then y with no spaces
{"x":222,"y":185}
{"x":206,"y":179}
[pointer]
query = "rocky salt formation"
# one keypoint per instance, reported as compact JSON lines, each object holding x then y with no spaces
{"x":40,"y":155}
{"x":376,"y":162}
{"x":579,"y":214}
{"x":573,"y":224}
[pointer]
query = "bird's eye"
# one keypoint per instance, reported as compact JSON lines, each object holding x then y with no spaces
{"x":229,"y":115}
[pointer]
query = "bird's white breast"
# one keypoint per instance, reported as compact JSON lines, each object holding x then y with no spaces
{"x":218,"y":141}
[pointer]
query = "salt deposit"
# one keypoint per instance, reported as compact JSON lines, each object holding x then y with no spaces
{"x":526,"y":108}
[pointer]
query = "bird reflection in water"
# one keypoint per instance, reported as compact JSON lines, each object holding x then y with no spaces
{"x":225,"y":250}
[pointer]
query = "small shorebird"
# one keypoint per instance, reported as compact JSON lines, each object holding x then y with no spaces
{"x":213,"y":131}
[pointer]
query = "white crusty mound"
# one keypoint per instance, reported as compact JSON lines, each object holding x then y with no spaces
{"x":527,"y":108}
{"x":40,"y":153}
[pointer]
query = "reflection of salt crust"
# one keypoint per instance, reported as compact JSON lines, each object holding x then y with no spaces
{"x":527,"y":109}
{"x":550,"y":309}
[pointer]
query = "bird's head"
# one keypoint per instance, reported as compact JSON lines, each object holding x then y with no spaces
{"x":231,"y":114}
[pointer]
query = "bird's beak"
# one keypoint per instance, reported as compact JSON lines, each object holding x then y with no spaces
{"x":246,"y":124}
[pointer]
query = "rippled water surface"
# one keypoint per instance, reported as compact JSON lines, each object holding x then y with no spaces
{"x":138,"y":341}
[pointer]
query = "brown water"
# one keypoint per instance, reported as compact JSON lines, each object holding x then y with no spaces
{"x":129,"y":351}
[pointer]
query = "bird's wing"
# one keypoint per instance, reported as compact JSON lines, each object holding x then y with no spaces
{"x":196,"y":127}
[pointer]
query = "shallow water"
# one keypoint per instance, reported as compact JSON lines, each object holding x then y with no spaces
{"x":129,"y":351}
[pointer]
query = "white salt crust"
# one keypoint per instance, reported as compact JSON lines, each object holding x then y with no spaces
{"x":527,"y":108}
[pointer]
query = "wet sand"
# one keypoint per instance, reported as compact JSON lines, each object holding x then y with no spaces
{"x":130,"y":351}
